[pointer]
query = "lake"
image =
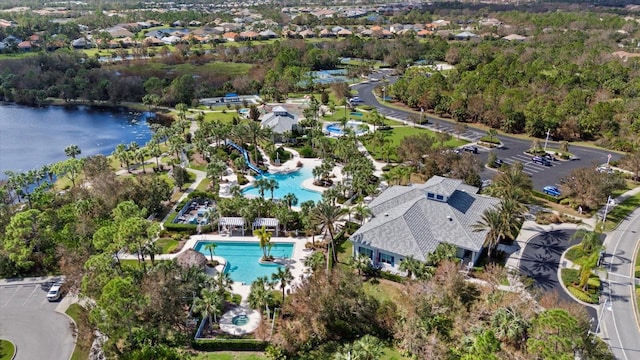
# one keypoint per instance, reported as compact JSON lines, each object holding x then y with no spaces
{"x":31,"y":137}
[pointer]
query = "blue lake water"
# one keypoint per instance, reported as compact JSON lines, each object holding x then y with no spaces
{"x":32,"y":137}
{"x":243,"y":258}
{"x":289,"y":183}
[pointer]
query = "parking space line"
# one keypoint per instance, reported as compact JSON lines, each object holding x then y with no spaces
{"x":10,"y":297}
{"x":30,"y":295}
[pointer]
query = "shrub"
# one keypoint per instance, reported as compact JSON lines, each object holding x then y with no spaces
{"x":581,"y":295}
{"x":594,"y":282}
{"x":229,"y":345}
{"x":490,"y":140}
{"x":236,"y":299}
{"x":242,"y":180}
{"x":307,"y":152}
{"x":544,"y":196}
{"x":280,"y":153}
{"x":569,"y":277}
{"x":387,"y":167}
{"x":391,"y":277}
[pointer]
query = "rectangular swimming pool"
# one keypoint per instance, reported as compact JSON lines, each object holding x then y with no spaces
{"x":243,"y":258}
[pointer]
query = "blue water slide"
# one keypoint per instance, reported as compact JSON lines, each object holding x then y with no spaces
{"x":245,"y":154}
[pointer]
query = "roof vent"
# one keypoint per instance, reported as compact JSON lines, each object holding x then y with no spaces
{"x":450,"y":218}
{"x":386,"y":214}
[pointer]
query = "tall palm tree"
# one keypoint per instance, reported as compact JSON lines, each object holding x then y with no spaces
{"x":262,"y":184}
{"x":493,"y":223}
{"x":411,"y":266}
{"x":122,"y":155}
{"x":72,"y":151}
{"x":260,"y":295}
{"x":513,"y":184}
{"x":257,"y":134}
{"x":327,"y":215}
{"x":587,"y":264}
{"x":265,"y":241}
{"x":512,"y":213}
{"x":140,"y":155}
{"x":211,"y":247}
{"x":284,"y":277}
{"x":208,"y":304}
{"x":152,"y":249}
{"x":272,"y":185}
{"x":222,"y":282}
{"x":591,"y":240}
{"x":291,"y":199}
{"x":362,"y":212}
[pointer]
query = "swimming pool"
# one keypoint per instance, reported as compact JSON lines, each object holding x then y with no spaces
{"x":336,"y":128}
{"x":243,"y":258}
{"x":289,"y":183}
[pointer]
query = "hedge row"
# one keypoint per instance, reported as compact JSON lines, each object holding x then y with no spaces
{"x":542,"y":195}
{"x":581,"y":295}
{"x":229,"y":345}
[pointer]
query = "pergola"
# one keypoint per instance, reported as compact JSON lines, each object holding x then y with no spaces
{"x":266,"y":222}
{"x":233,"y":222}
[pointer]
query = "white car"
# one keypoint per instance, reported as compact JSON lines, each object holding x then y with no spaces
{"x":55,"y":292}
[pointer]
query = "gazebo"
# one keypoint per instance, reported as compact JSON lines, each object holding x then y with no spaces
{"x":272,"y":223}
{"x":232,"y":223}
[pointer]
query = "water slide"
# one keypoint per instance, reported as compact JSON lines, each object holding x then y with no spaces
{"x":244,"y":153}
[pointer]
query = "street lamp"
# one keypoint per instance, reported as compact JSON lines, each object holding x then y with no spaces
{"x":547,"y":139}
{"x":606,"y":210}
{"x":604,"y":307}
{"x":383,"y":97}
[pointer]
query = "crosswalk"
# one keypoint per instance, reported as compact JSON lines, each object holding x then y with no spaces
{"x":530,"y":167}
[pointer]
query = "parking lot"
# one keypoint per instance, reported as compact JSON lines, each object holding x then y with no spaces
{"x":32,"y":324}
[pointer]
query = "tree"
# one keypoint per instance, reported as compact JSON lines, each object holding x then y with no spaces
{"x":70,"y":168}
{"x":72,"y":151}
{"x":284,"y":277}
{"x":25,"y":236}
{"x":510,"y":326}
{"x":360,"y":262}
{"x":291,"y":199}
{"x":362,"y":212}
{"x":208,"y":304}
{"x":210,"y":247}
{"x":512,"y":184}
{"x":326,"y":215}
{"x":412,"y":148}
{"x":591,"y":240}
{"x":555,"y":334}
{"x":260,"y":295}
{"x":411,"y":266}
{"x":256,"y":133}
{"x":492,"y":133}
{"x":265,"y":241}
{"x":493,"y":224}
{"x":122,"y":155}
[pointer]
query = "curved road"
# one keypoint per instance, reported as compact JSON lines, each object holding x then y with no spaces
{"x":512,"y":151}
{"x":620,"y":323}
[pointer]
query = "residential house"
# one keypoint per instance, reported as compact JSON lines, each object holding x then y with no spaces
{"x":514,"y":37}
{"x":308,"y":33}
{"x":414,"y":220}
{"x":248,"y":35}
{"x":268,"y":34}
{"x":279,"y":120}
{"x":465,"y":35}
{"x":344,"y":33}
{"x":230,"y":36}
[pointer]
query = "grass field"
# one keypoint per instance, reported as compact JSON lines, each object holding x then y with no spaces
{"x":621,"y":211}
{"x":396,"y":135}
{"x":85,"y":337}
{"x":167,"y":245}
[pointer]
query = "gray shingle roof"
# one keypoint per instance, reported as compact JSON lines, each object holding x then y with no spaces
{"x":405,"y":222}
{"x":279,"y":121}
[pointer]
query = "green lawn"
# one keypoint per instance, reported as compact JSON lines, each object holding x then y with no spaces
{"x":621,"y":211}
{"x":230,"y":355}
{"x":167,"y":245}
{"x":85,"y":334}
{"x":393,"y":354}
{"x":396,"y":135}
{"x":6,"y":349}
{"x":344,"y":252}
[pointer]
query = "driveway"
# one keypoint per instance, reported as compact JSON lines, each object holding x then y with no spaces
{"x":541,"y":259}
{"x":32,"y":324}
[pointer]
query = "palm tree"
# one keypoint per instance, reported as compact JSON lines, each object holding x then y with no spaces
{"x":215,"y":171}
{"x":257,"y":134}
{"x":513,"y":184}
{"x":182,"y":110}
{"x":326,"y":215}
{"x":510,"y":326}
{"x":152,"y":249}
{"x":262,"y":184}
{"x":386,"y":151}
{"x":587,"y":264}
{"x":265,"y":241}
{"x":139,"y":155}
{"x":209,"y":304}
{"x":314,"y":261}
{"x":360,"y":262}
{"x":122,"y":155}
{"x":272,"y":185}
{"x":223,"y":283}
{"x":362,"y":212}
{"x":512,"y":213}
{"x":492,"y":222}
{"x":72,"y":151}
{"x":291,"y":199}
{"x":411,"y":265}
{"x":591,"y":240}
{"x":155,"y":151}
{"x":260,"y":295}
{"x":284,"y":277}
{"x":211,"y":247}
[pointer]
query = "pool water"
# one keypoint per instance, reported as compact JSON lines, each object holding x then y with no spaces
{"x":289,"y":183}
{"x":336,"y":128}
{"x":243,"y":258}
{"x":240,"y":320}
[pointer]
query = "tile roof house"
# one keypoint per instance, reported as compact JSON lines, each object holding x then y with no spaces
{"x":279,"y":120}
{"x":414,"y":220}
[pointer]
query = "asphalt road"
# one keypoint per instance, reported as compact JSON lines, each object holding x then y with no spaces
{"x":512,"y":151}
{"x":620,"y":322}
{"x":31,"y":322}
{"x":541,"y":259}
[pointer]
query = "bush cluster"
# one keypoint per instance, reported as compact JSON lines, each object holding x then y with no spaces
{"x":229,"y":345}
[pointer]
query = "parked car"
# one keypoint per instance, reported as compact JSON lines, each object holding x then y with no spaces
{"x":471,"y":149}
{"x":355,"y":100}
{"x":55,"y":292}
{"x":498,"y":163}
{"x":549,"y":157}
{"x":604,"y":169}
{"x":551,"y":190}
{"x":540,"y":160}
